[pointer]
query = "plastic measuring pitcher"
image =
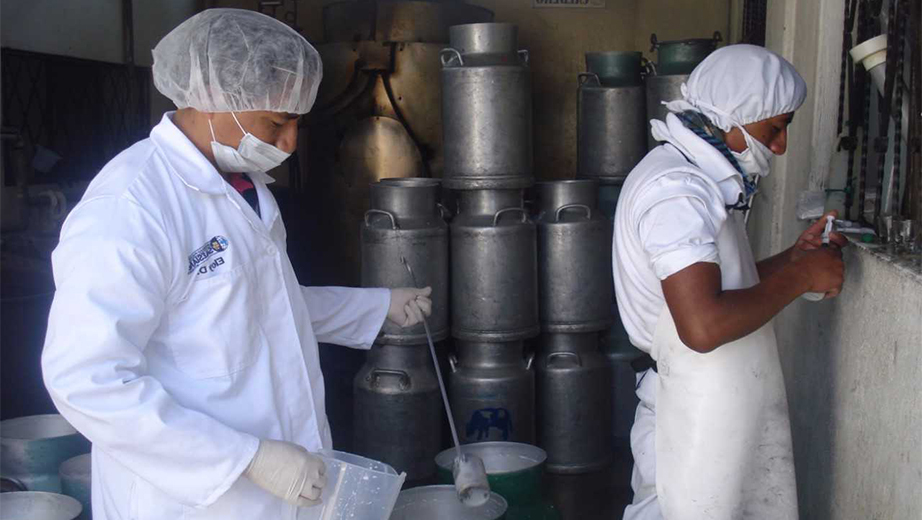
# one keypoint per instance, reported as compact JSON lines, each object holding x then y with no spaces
{"x":357,"y":488}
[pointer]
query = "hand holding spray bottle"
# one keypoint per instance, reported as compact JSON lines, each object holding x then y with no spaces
{"x":815,"y":296}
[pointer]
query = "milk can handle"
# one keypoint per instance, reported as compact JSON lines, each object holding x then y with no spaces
{"x":571,"y":206}
{"x":584,"y":78}
{"x":717,"y":38}
{"x":378,"y":372}
{"x":523,"y":53}
{"x":443,"y":211}
{"x":453,"y":54}
{"x":499,"y":214}
{"x":381,"y":212}
{"x":654,"y":43}
{"x":453,"y":362}
{"x":649,"y":68}
{"x":552,"y":355}
{"x":529,"y":361}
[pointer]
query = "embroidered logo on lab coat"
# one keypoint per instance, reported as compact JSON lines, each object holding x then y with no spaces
{"x":217,"y":244}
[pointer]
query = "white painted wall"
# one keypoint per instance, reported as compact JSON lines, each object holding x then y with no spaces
{"x":853,"y":366}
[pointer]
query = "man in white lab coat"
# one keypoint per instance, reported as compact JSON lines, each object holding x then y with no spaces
{"x":179,"y":341}
{"x":711,"y":438}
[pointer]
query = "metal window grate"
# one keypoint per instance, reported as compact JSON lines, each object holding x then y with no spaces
{"x":889,"y":178}
{"x":85,"y":111}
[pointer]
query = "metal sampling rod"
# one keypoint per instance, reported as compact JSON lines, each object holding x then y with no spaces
{"x":469,"y":472}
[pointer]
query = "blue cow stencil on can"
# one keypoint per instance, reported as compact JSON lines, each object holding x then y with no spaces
{"x":483,"y":420}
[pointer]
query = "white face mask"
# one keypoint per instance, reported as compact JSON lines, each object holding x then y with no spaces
{"x":756,"y":159}
{"x":251,"y":155}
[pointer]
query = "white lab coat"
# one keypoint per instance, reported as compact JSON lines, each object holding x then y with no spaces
{"x":179,"y":336}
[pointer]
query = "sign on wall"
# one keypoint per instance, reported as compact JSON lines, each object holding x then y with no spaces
{"x":569,"y":3}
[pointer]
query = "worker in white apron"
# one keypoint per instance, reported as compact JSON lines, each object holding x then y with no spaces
{"x":711,"y":438}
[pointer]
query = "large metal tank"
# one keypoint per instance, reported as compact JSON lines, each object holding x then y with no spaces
{"x":397,"y":20}
{"x":398,"y":409}
{"x":486,"y":109}
{"x":377,"y":115}
{"x":492,"y":392}
{"x":494,"y":281}
{"x":661,"y":89}
{"x":573,"y":401}
{"x":610,"y":129}
{"x":574,"y":257}
{"x":405,"y":222}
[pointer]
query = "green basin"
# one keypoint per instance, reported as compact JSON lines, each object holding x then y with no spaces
{"x":515,"y":471}
{"x":682,"y":56}
{"x":616,"y":68}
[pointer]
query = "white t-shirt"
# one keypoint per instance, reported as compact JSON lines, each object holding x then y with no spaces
{"x":669,"y":215}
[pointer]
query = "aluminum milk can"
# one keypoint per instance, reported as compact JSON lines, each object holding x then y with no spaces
{"x":406,"y":222}
{"x":486,"y":109}
{"x":492,"y":392}
{"x":574,"y":257}
{"x":661,"y":89}
{"x":398,"y":409}
{"x":573,"y":403}
{"x":494,"y":283}
{"x":611,"y":128}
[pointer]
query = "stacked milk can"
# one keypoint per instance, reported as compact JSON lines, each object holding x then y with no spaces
{"x":611,"y":119}
{"x":398,"y":409}
{"x":611,"y":140}
{"x":675,"y":62}
{"x":487,"y":136}
{"x":573,"y":378}
{"x":617,"y":98}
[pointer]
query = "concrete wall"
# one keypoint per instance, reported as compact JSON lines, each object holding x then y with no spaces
{"x":853,"y":365}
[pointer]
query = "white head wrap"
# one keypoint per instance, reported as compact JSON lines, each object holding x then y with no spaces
{"x":233,"y":60}
{"x":741,"y":84}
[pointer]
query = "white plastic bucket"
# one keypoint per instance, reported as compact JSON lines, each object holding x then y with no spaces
{"x":32,"y":449}
{"x":38,"y":505}
{"x":357,"y":488}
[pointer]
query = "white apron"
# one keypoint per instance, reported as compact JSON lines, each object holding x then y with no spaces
{"x":722,"y":443}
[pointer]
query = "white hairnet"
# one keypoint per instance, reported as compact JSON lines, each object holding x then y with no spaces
{"x":233,"y":60}
{"x":741,"y":84}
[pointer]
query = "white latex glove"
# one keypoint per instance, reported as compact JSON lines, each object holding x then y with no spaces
{"x":288,"y":471}
{"x":408,"y":305}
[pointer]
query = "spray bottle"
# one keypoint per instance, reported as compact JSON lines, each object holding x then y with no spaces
{"x":830,"y":222}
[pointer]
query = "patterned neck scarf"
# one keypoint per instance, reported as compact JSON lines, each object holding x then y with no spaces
{"x":703,"y":128}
